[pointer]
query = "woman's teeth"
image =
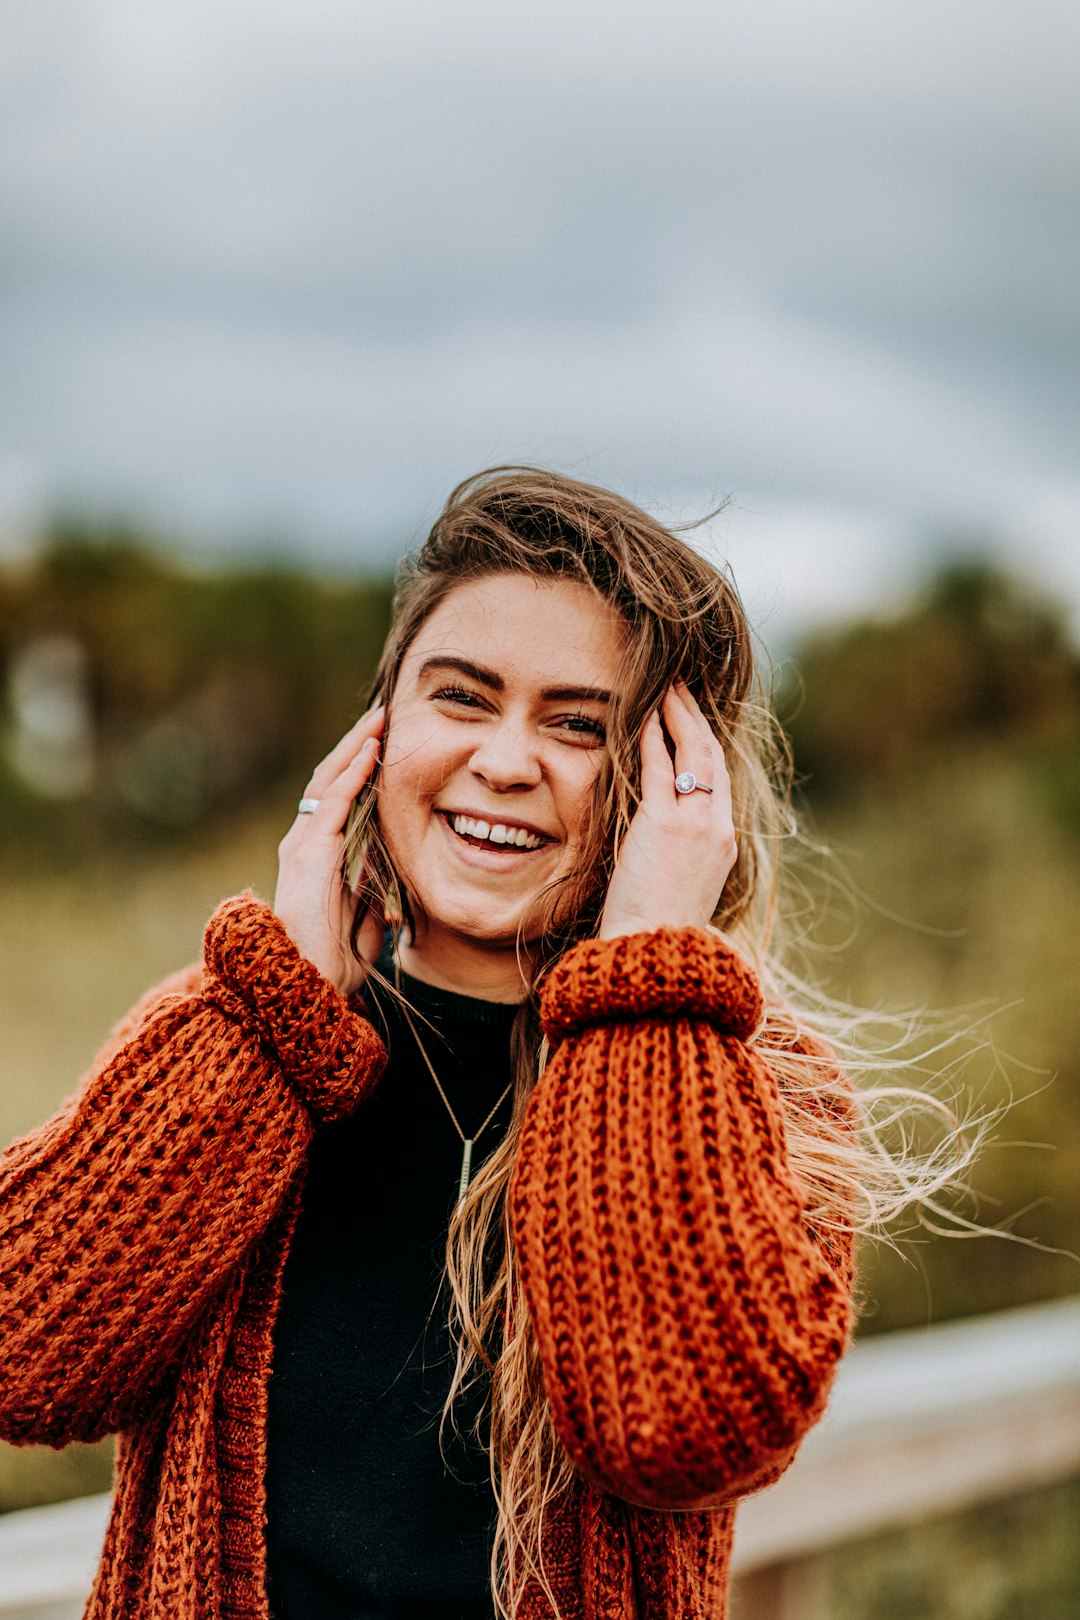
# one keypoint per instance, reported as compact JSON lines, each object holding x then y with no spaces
{"x":498,"y":833}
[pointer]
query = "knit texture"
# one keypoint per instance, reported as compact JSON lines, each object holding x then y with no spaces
{"x":688,"y":1325}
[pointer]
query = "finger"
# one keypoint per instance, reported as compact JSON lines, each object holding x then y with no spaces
{"x":656,"y":772}
{"x":693,"y":741}
{"x":691,"y":705}
{"x":341,"y":757}
{"x":715,"y":773}
{"x":364,"y":760}
{"x":331,"y":812}
{"x":370,"y":724}
{"x":692,"y":708}
{"x":337,"y":797}
{"x":721,"y":779}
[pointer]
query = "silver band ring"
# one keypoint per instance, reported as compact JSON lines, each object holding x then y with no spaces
{"x":307,"y":807}
{"x":686,"y":782}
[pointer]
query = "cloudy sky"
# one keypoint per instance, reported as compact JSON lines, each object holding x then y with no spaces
{"x":289,"y":271}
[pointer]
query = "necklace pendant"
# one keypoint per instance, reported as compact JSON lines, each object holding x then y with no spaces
{"x":466,"y":1166}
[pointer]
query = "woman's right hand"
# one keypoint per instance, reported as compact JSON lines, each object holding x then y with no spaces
{"x":313,"y":898}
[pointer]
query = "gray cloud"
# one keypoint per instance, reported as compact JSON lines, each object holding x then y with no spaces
{"x":264,"y":269}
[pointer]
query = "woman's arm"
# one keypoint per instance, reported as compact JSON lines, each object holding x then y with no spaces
{"x":689,"y":1327}
{"x":122,"y":1217}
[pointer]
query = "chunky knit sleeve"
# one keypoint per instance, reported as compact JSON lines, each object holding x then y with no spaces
{"x":123,"y":1217}
{"x":688,"y":1325}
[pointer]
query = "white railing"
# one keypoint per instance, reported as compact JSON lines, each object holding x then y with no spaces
{"x":920,"y":1423}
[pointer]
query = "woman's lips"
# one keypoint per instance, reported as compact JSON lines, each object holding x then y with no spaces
{"x":482,"y":852}
{"x":496,"y":828}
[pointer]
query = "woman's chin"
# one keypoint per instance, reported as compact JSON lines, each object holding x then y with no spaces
{"x":478,"y":922}
{"x":487,"y":909}
{"x":484,"y":933}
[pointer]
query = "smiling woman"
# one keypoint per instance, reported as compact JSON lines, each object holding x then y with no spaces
{"x":513,"y":923}
{"x":496,"y":740}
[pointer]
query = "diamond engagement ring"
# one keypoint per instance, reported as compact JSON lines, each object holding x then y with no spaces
{"x":686,"y":782}
{"x":307,"y":807}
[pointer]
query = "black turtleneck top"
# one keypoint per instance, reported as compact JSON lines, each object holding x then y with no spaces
{"x":365,"y":1519}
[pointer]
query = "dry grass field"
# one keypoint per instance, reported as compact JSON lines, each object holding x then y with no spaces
{"x":76,"y":951}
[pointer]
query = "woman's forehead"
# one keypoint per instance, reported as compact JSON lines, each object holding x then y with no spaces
{"x":547,"y":631}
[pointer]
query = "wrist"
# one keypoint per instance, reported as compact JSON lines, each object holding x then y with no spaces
{"x":619,"y":926}
{"x":257,"y":975}
{"x":666,"y":972}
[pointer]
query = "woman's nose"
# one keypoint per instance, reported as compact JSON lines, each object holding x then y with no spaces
{"x":507,"y":756}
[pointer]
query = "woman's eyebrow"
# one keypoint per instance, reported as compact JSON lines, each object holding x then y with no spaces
{"x":463,"y":666}
{"x":575,"y":694}
{"x":494,"y":681}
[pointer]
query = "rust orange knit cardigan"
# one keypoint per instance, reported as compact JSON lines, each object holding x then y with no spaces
{"x":688,"y":1325}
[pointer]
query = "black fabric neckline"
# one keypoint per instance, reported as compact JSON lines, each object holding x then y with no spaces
{"x":443,"y":1006}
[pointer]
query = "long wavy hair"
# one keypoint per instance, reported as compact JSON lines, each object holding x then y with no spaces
{"x":682,"y":617}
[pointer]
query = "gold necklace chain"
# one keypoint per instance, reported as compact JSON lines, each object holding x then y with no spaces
{"x":467,"y":1141}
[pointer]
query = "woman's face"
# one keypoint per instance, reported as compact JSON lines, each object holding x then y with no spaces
{"x":494,"y":738}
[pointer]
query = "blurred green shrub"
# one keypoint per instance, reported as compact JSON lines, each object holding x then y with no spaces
{"x":143,"y":697}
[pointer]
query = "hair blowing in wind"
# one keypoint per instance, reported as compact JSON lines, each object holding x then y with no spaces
{"x":850,"y":1144}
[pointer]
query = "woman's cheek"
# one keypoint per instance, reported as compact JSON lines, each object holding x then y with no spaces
{"x":582,"y":802}
{"x":413,"y":760}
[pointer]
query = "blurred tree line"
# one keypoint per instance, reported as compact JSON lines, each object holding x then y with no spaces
{"x":978,"y":662}
{"x":143,"y":697}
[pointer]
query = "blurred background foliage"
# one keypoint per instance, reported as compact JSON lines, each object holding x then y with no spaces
{"x":143,"y":698}
{"x":159,"y":723}
{"x":938,"y":754}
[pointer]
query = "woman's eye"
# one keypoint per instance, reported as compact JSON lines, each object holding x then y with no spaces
{"x":585,"y":726}
{"x":578,"y":725}
{"x":456,"y":694}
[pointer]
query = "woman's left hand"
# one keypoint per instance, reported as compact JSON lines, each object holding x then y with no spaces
{"x":680,"y":847}
{"x":313,"y":898}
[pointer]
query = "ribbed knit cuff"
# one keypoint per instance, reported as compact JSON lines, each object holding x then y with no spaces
{"x":328,"y":1051}
{"x":666,"y":973}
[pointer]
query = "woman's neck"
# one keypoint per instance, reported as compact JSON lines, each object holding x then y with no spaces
{"x":465,"y":966}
